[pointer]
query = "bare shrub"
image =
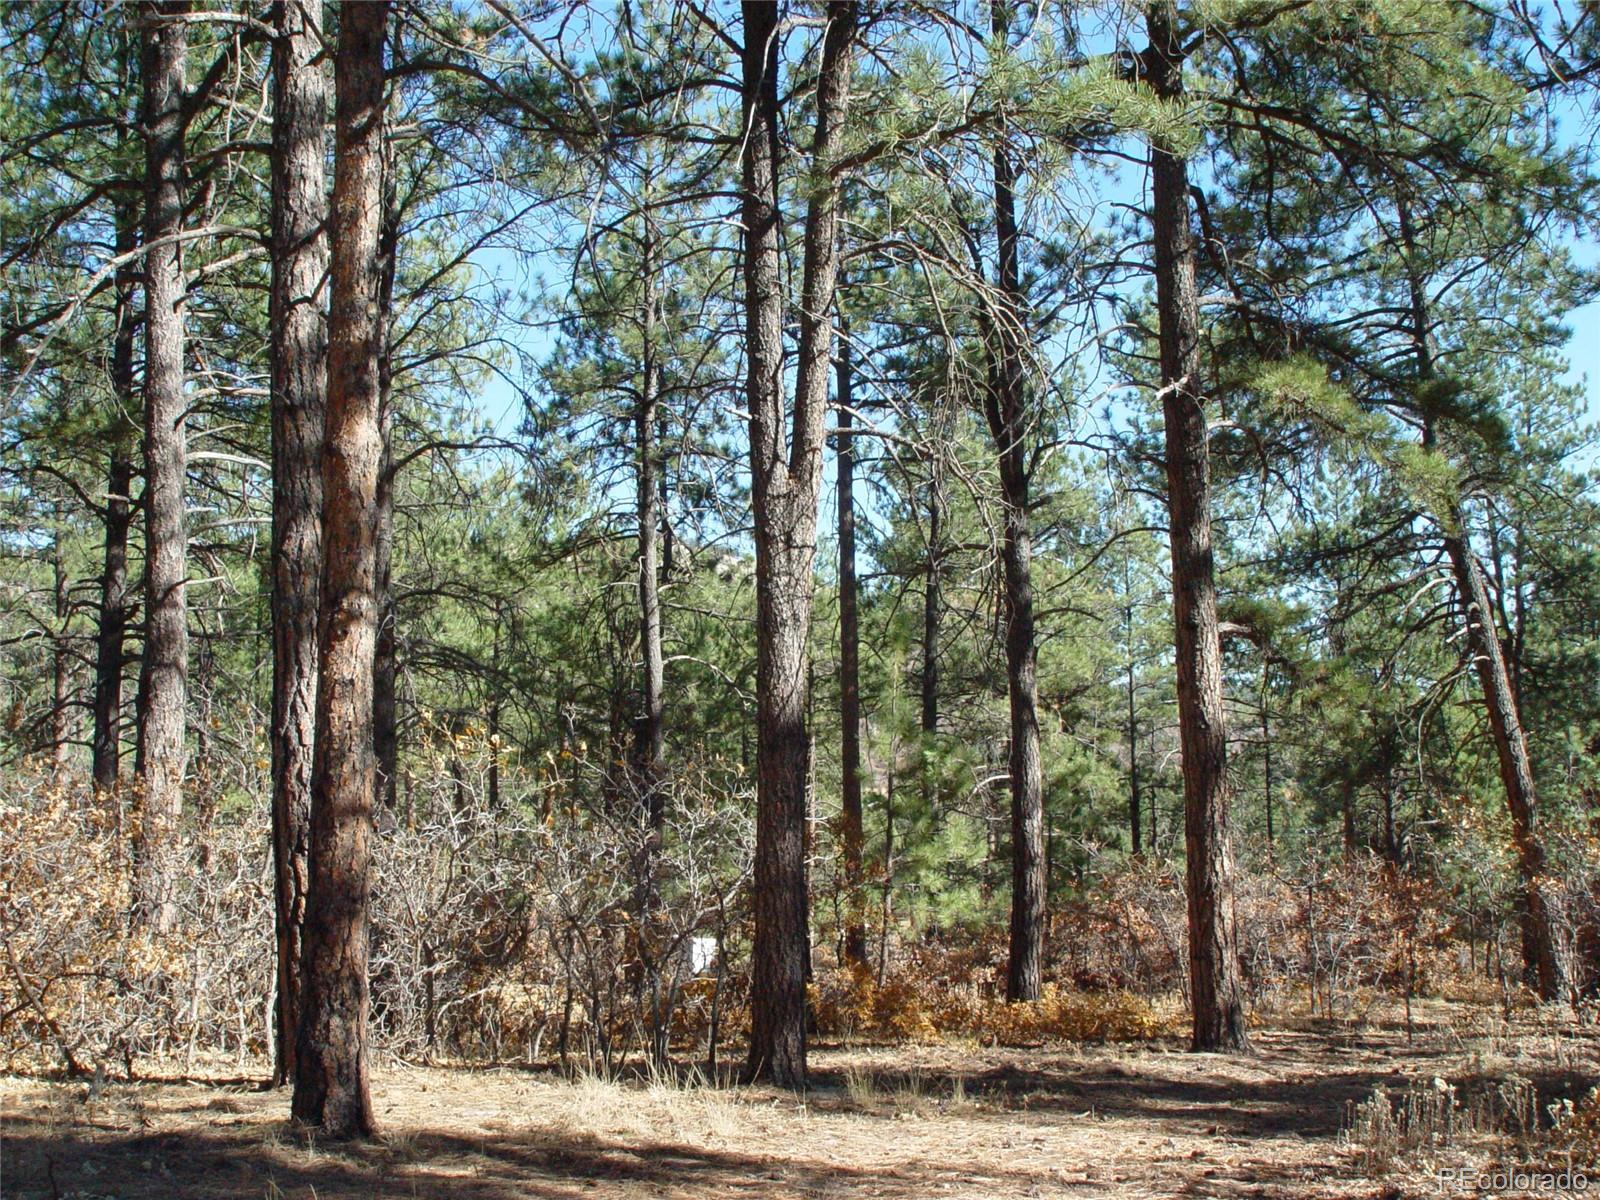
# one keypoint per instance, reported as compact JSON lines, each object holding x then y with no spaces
{"x":80,"y":987}
{"x":551,"y":921}
{"x":554,"y":921}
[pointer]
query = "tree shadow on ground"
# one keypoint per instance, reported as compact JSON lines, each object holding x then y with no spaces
{"x":1172,"y":1123}
{"x":61,"y":1164}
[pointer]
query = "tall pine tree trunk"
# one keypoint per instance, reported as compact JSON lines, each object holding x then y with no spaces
{"x":932,"y":605}
{"x":164,"y":674}
{"x":386,"y":662}
{"x":331,"y":1089}
{"x":60,"y":652}
{"x":1548,"y":957}
{"x":299,"y":384}
{"x":850,"y":816}
{"x":932,"y":619}
{"x":786,"y":474}
{"x":116,"y":518}
{"x":1549,"y":962}
{"x":649,"y":727}
{"x":651,"y":730}
{"x":1135,"y":806}
{"x":1006,"y":409}
{"x":1202,"y":719}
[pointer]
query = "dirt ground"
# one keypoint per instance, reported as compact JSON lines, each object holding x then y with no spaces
{"x":904,"y":1122}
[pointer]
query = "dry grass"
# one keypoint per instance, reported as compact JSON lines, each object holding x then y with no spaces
{"x":904,"y":1122}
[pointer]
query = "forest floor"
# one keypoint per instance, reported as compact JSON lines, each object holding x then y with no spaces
{"x":898,"y":1122}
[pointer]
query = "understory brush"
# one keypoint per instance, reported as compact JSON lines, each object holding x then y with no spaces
{"x":534,"y":916}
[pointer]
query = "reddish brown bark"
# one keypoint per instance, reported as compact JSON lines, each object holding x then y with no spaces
{"x":299,"y":383}
{"x":331,"y":1087}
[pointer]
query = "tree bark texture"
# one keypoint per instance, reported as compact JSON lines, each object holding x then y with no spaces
{"x":1548,"y":956}
{"x":786,"y":473}
{"x":331,"y":1089}
{"x":60,"y":653}
{"x":164,"y":674}
{"x":299,"y":385}
{"x":386,"y":661}
{"x":116,"y":599}
{"x":1215,"y":989}
{"x":1549,"y":963}
{"x":1135,"y":806}
{"x":933,"y":601}
{"x":648,"y":749}
{"x":1007,"y":412}
{"x":651,"y":730}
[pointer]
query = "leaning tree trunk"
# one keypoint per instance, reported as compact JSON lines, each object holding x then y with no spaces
{"x":331,"y":1088}
{"x":164,"y":674}
{"x":299,"y":381}
{"x":1215,"y":989}
{"x":1006,"y":409}
{"x":1549,"y":962}
{"x":786,"y":475}
{"x":850,"y":816}
{"x":1548,"y":958}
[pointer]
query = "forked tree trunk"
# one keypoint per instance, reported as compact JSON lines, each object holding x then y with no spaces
{"x":299,"y":384}
{"x":164,"y":674}
{"x":331,"y":1089}
{"x":850,"y":816}
{"x":1215,"y":990}
{"x":786,"y":475}
{"x":1006,"y":409}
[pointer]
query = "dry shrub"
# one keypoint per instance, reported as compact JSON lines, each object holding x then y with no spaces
{"x":1384,"y":1130}
{"x":1326,"y":933}
{"x":499,"y":931}
{"x":1574,"y":1139}
{"x":1409,"y":1129}
{"x":82,"y":988}
{"x":1076,"y":1016}
{"x":910,"y":1007}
